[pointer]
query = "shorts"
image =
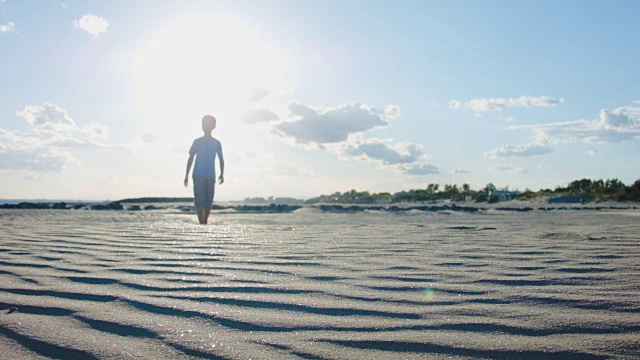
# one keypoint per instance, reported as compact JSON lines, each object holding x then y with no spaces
{"x":203,"y":190}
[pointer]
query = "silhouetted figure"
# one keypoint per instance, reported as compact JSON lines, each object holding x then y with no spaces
{"x":205,"y":149}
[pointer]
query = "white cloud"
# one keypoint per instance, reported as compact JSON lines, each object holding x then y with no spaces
{"x":30,"y":152}
{"x":384,"y":151}
{"x":461,"y":171}
{"x":45,"y":114}
{"x":92,"y":24}
{"x":420,"y":169}
{"x":616,"y":119}
{"x":509,"y":168}
{"x":510,"y":119}
{"x":256,"y":116}
{"x":51,"y":141}
{"x":33,"y":159}
{"x":403,"y":157}
{"x":537,"y":147}
{"x":392,"y":111}
{"x":331,"y":125}
{"x":65,"y":6}
{"x":621,"y":124}
{"x":340,"y":131}
{"x":7,"y":28}
{"x":497,"y":104}
{"x":593,"y":152}
{"x":616,"y":126}
{"x":302,"y":110}
{"x":96,"y":132}
{"x":631,"y":111}
{"x":258,"y":94}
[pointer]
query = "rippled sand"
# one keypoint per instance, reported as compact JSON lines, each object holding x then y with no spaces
{"x":154,"y":285}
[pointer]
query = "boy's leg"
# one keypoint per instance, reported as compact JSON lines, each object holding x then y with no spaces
{"x":200,"y":210}
{"x":206,"y":214}
{"x":199,"y":196}
{"x":210,"y":186}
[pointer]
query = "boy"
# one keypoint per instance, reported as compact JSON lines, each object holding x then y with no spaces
{"x":204,"y":172}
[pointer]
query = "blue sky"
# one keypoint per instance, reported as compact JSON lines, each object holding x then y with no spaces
{"x":103,"y":99}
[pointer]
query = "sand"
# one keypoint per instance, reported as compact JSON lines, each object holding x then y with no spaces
{"x":155,"y":285}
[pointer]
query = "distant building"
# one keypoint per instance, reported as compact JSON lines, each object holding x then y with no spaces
{"x":505,"y":195}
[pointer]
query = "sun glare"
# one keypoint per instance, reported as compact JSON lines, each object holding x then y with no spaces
{"x":199,"y":64}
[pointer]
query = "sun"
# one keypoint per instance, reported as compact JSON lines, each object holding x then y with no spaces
{"x":203,"y":63}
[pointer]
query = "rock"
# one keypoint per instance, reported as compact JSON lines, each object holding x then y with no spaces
{"x":60,"y":206}
{"x":284,"y":208}
{"x":110,"y":206}
{"x":271,"y":208}
{"x":439,"y":208}
{"x":26,"y":205}
{"x":134,"y":208}
{"x":455,"y":207}
{"x":524,"y":209}
{"x":115,"y":206}
{"x":326,"y":208}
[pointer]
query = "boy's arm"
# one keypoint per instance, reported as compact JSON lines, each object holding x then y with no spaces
{"x":186,"y":176}
{"x":221,"y":177}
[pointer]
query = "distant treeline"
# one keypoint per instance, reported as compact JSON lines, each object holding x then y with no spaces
{"x":156,"y":200}
{"x":596,"y":190}
{"x":433,"y":192}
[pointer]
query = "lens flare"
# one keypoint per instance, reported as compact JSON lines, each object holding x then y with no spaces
{"x":429,"y":294}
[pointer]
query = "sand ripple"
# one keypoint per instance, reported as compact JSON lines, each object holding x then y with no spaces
{"x":96,"y":285}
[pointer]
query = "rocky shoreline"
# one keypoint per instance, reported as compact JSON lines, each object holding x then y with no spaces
{"x":77,"y":206}
{"x":327,"y":208}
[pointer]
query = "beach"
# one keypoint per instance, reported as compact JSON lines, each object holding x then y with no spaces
{"x":82,"y":284}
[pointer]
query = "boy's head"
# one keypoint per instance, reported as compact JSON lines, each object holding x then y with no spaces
{"x":208,"y":123}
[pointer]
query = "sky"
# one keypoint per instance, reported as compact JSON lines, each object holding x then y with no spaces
{"x":102,"y":99}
